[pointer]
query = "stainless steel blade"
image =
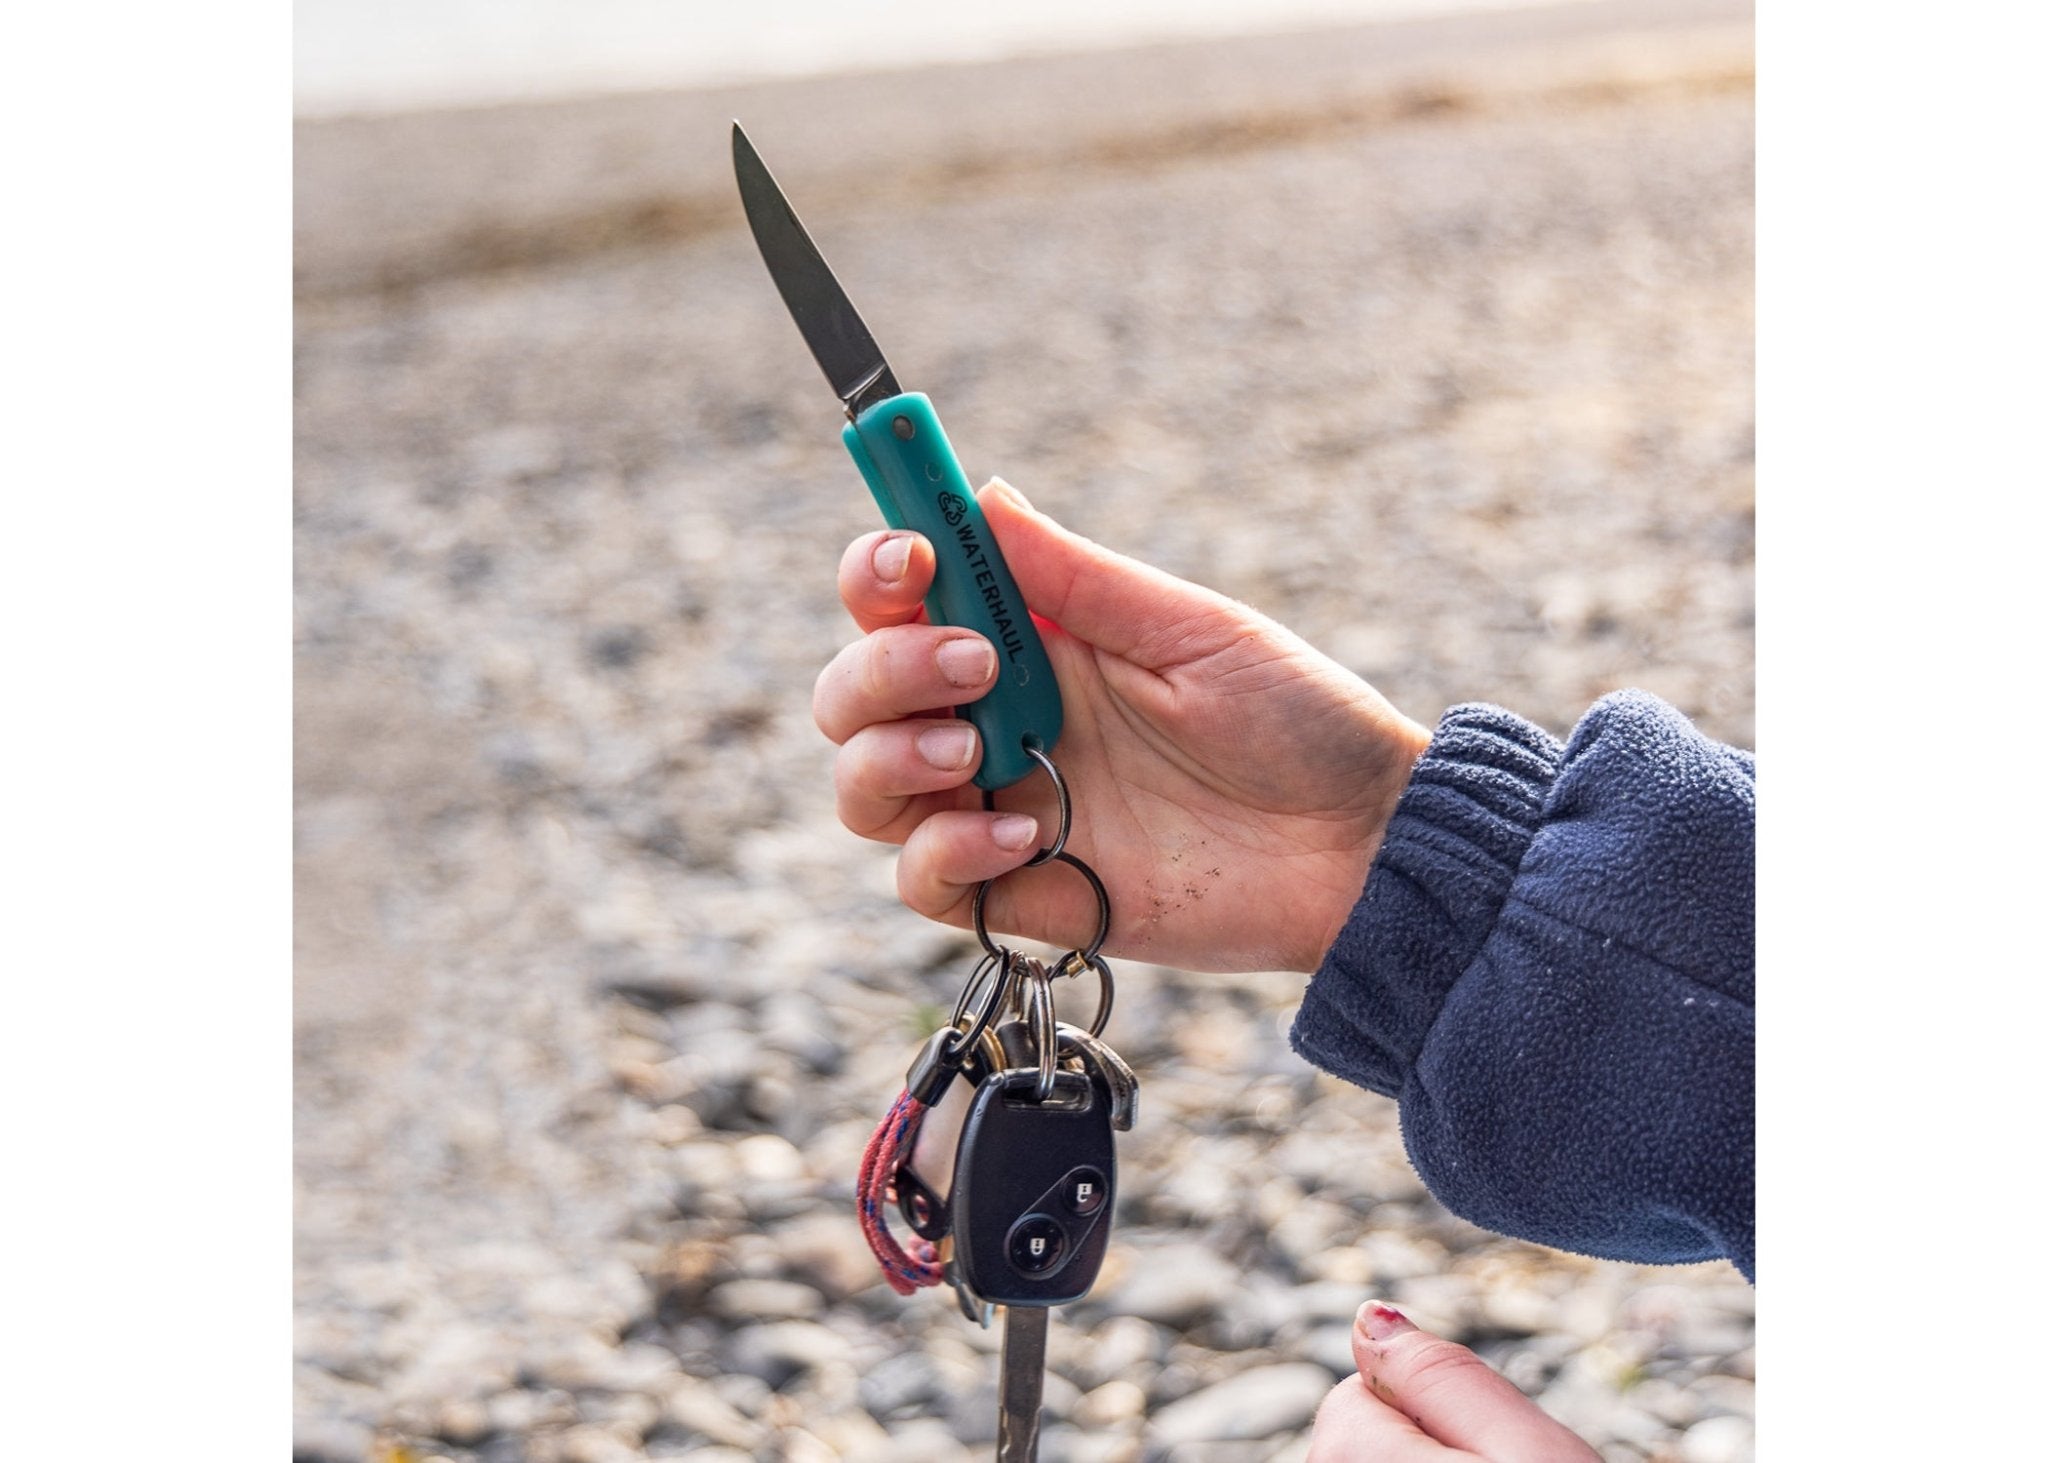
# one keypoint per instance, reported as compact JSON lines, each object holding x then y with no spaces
{"x":831,"y":327}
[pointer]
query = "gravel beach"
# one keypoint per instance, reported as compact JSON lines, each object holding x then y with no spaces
{"x":1431,"y":340}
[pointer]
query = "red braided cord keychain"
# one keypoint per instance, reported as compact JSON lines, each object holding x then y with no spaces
{"x":906,"y":1271}
{"x":895,"y":1138}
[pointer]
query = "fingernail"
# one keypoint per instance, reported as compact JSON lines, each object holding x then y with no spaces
{"x":948,"y":748}
{"x":1379,"y":1320}
{"x":1012,"y":491}
{"x":967,"y":662}
{"x":1014,"y":831}
{"x":891,"y":558}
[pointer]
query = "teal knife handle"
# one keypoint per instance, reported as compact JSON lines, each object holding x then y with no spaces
{"x":902,"y":451}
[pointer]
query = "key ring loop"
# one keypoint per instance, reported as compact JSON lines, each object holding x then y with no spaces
{"x":1045,"y":1037}
{"x":1093,"y":948}
{"x":1072,"y":964}
{"x":1059,"y":787}
{"x":1002,"y":960}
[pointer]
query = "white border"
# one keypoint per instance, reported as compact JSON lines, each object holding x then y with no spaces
{"x":145,"y":585}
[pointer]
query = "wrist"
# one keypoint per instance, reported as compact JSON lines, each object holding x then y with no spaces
{"x":1401,"y":743}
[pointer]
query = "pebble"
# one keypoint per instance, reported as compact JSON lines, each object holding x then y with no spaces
{"x":800,"y":1446}
{"x":463,"y":1421}
{"x":1392,"y":1255}
{"x":768,"y":1158}
{"x":901,"y":1382}
{"x":1342,"y":1265}
{"x":1059,"y":1444}
{"x":749,"y":1394}
{"x":1310,"y":1228}
{"x":778,"y":1350}
{"x":1732,"y":1394}
{"x":522,"y":1412}
{"x":797,"y":1025}
{"x":1176,"y":1285}
{"x":765,"y":1300}
{"x":1116,"y":1346}
{"x":1672,"y":1405}
{"x":1327,"y":1301}
{"x":1533,"y":1362}
{"x":329,"y":1440}
{"x":1719,"y":1440}
{"x":1060,"y":1396}
{"x":828,"y":1253}
{"x":1516,"y":1310}
{"x":639,"y":1367}
{"x":630,"y":1415}
{"x":1255,"y":1404}
{"x":924,"y":1441}
{"x":695,"y":1408}
{"x":596,"y":1445}
{"x":1110,"y":1405}
{"x":973,"y":1414}
{"x":573,"y":1362}
{"x":849,"y":1431}
{"x":1329,"y":1347}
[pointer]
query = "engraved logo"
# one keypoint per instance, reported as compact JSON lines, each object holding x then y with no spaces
{"x":954,"y":507}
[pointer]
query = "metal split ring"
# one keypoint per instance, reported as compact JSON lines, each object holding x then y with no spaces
{"x":1059,"y":787}
{"x":1002,"y":961}
{"x":1087,"y":953}
{"x":1045,"y":1037}
{"x":1073,"y":963}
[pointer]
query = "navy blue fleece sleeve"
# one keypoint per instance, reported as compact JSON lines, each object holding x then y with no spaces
{"x":1553,"y":970}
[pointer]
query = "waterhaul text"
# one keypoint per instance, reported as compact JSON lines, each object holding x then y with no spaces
{"x":955,"y":511}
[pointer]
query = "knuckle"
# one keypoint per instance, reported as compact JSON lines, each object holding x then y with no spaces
{"x":864,"y":808}
{"x":921,"y":881}
{"x":1438,"y":1366}
{"x":849,"y":771}
{"x":914,"y":888}
{"x":880,"y":667}
{"x":828,"y":694}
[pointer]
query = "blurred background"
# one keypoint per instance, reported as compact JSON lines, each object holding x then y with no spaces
{"x":1427,"y":333}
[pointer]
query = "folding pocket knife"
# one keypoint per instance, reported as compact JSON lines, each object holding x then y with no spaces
{"x":900,"y":448}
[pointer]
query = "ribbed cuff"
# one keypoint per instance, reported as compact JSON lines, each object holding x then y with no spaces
{"x":1451,"y":851}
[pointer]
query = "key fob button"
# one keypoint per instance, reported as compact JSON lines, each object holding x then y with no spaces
{"x":1037,"y":1244}
{"x":1083,"y":1191}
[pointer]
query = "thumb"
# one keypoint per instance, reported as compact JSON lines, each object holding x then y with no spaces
{"x":1129,"y":609}
{"x":1454,"y":1396}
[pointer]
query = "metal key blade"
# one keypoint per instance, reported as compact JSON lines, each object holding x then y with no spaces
{"x":831,"y":327}
{"x":1021,"y":1383}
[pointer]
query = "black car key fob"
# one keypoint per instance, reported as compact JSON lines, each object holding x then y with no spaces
{"x":1033,"y":1187}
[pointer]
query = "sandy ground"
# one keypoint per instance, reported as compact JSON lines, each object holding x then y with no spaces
{"x":1434,"y":342}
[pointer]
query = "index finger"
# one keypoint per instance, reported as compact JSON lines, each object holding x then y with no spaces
{"x":884,"y":577}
